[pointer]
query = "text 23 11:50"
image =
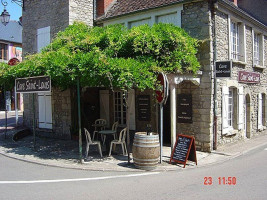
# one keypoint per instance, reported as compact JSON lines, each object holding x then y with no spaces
{"x":221,"y":180}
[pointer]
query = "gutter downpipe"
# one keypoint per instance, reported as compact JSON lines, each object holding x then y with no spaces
{"x":213,"y":12}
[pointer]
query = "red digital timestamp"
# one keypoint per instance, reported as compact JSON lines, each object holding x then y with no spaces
{"x":231,"y":180}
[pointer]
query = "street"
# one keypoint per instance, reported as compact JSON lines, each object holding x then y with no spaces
{"x":22,"y":180}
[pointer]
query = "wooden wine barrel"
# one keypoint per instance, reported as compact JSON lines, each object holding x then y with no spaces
{"x":146,"y":150}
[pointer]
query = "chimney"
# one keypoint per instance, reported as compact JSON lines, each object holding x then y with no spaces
{"x":234,"y":1}
{"x":102,"y":6}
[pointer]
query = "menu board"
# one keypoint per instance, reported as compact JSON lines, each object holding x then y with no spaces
{"x":184,"y":108}
{"x":143,"y":107}
{"x":184,"y":150}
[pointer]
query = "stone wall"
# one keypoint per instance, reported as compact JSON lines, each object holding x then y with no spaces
{"x":39,"y":14}
{"x":196,"y":20}
{"x":61,"y":113}
{"x":58,"y":15}
{"x":222,"y":37}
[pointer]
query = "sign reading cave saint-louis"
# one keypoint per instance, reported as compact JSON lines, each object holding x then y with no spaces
{"x":223,"y":69}
{"x":33,"y":84}
{"x":184,"y":108}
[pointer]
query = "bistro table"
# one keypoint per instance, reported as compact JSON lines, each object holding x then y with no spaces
{"x":98,"y":127}
{"x":107,"y":133}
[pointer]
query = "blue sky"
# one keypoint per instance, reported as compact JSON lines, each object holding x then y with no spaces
{"x":14,"y":10}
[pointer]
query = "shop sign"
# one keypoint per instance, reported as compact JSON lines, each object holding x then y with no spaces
{"x":33,"y":84}
{"x":223,"y":69}
{"x":162,"y":94}
{"x":184,"y":108}
{"x":143,"y":107}
{"x":13,"y":61}
{"x":248,"y":77}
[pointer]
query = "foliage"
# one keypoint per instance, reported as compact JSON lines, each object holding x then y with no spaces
{"x":111,"y":56}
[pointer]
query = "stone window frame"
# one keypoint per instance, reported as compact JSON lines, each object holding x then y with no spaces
{"x":241,"y":37}
{"x":260,"y":63}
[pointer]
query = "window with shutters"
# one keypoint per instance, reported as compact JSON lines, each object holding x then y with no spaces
{"x":232,"y":109}
{"x":235,"y":51}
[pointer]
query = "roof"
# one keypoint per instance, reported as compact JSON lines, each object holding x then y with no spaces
{"x":121,"y":7}
{"x":12,"y":32}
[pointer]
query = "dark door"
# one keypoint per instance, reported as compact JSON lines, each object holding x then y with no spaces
{"x":167,"y":124}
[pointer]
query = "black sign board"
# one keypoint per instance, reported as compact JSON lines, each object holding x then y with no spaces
{"x":143,"y":107}
{"x":223,"y":69}
{"x":33,"y":84}
{"x":184,"y":108}
{"x":184,"y":149}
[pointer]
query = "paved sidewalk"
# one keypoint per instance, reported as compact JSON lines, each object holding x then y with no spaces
{"x":64,"y":153}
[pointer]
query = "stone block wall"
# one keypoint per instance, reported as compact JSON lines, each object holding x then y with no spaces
{"x":61,"y":113}
{"x":222,"y":41}
{"x":56,"y":14}
{"x":196,"y":20}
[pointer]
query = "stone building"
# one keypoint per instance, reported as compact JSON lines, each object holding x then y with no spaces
{"x":218,"y":110}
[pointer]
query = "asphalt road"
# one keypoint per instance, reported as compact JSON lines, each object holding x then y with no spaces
{"x":22,"y":180}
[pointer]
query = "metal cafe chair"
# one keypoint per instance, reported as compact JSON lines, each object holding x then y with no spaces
{"x":89,"y":142}
{"x":120,"y":141}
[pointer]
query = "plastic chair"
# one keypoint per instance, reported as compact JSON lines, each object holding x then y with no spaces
{"x":114,"y":128}
{"x":120,"y":141}
{"x":91,"y":142}
{"x":99,"y":122}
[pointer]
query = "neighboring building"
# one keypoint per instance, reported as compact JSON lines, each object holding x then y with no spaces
{"x":227,"y":33}
{"x":10,"y":47}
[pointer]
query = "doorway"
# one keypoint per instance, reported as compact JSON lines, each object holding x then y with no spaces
{"x":247,"y":117}
{"x":167,"y":124}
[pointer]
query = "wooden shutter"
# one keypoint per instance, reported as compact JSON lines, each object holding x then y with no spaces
{"x":259,"y":111}
{"x":225,"y":99}
{"x":104,"y":105}
{"x":240,"y":108}
{"x":131,"y":100}
{"x":43,"y":38}
{"x":45,"y":110}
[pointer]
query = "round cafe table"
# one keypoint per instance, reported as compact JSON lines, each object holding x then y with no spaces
{"x":108,"y":133}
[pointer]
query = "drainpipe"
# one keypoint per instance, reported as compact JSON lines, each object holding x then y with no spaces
{"x":213,"y":7}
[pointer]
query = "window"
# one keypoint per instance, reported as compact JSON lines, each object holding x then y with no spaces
{"x":261,"y":111}
{"x":230,"y":107}
{"x":3,"y":52}
{"x":235,"y":51}
{"x":256,"y":49}
{"x":120,"y":108}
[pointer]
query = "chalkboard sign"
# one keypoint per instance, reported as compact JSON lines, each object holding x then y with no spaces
{"x":184,"y":108}
{"x":184,"y":149}
{"x":143,"y":107}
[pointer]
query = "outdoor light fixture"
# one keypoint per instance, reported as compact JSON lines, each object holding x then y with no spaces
{"x":5,"y":16}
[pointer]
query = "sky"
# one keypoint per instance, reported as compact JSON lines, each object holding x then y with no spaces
{"x":14,"y":10}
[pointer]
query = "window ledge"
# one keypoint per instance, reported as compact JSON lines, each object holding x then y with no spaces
{"x":259,"y":66}
{"x":239,"y":62}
